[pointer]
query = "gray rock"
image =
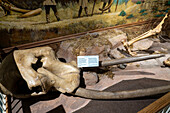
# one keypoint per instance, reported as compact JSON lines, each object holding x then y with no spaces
{"x":65,"y":51}
{"x":142,"y":44}
{"x":116,"y":39}
{"x":90,"y":78}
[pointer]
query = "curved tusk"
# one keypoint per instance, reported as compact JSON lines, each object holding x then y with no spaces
{"x":19,"y":10}
{"x":107,"y":7}
{"x":31,"y":13}
{"x":93,"y":94}
{"x":129,"y":60}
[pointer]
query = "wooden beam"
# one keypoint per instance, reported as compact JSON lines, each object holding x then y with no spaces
{"x":157,"y":105}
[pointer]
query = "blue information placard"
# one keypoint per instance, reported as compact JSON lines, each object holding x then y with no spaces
{"x":88,"y":61}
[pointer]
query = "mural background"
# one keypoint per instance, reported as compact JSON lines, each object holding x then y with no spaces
{"x":15,"y":31}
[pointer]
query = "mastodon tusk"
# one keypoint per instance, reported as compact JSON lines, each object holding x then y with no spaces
{"x":129,"y":60}
{"x":31,"y":13}
{"x":93,"y":94}
{"x":19,"y":10}
{"x":107,"y":7}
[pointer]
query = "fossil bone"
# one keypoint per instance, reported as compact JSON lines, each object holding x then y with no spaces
{"x":63,"y":76}
{"x":92,"y":94}
{"x":33,"y":72}
{"x":144,"y":35}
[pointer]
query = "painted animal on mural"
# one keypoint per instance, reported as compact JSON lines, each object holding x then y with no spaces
{"x":31,"y":8}
{"x":27,"y":5}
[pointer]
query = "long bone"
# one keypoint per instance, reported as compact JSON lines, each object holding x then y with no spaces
{"x":147,"y":34}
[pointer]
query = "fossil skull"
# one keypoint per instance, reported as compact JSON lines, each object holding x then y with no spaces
{"x":53,"y":73}
{"x":42,"y":71}
{"x":33,"y":72}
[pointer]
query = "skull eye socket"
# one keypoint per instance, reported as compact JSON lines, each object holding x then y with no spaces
{"x":38,"y":64}
{"x":62,"y":60}
{"x":36,"y":89}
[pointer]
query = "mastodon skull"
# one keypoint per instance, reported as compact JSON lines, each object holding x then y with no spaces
{"x":32,"y":72}
{"x":41,"y":71}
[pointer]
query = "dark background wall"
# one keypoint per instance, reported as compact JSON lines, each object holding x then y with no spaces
{"x":33,"y":4}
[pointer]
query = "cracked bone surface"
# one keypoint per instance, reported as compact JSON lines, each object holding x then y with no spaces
{"x":147,"y":34}
{"x":63,"y":77}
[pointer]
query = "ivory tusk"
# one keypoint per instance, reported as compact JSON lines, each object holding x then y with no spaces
{"x":93,"y":94}
{"x":19,"y":10}
{"x":31,"y":13}
{"x":107,"y":7}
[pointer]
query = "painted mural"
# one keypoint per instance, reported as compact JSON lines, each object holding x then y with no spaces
{"x":24,"y":21}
